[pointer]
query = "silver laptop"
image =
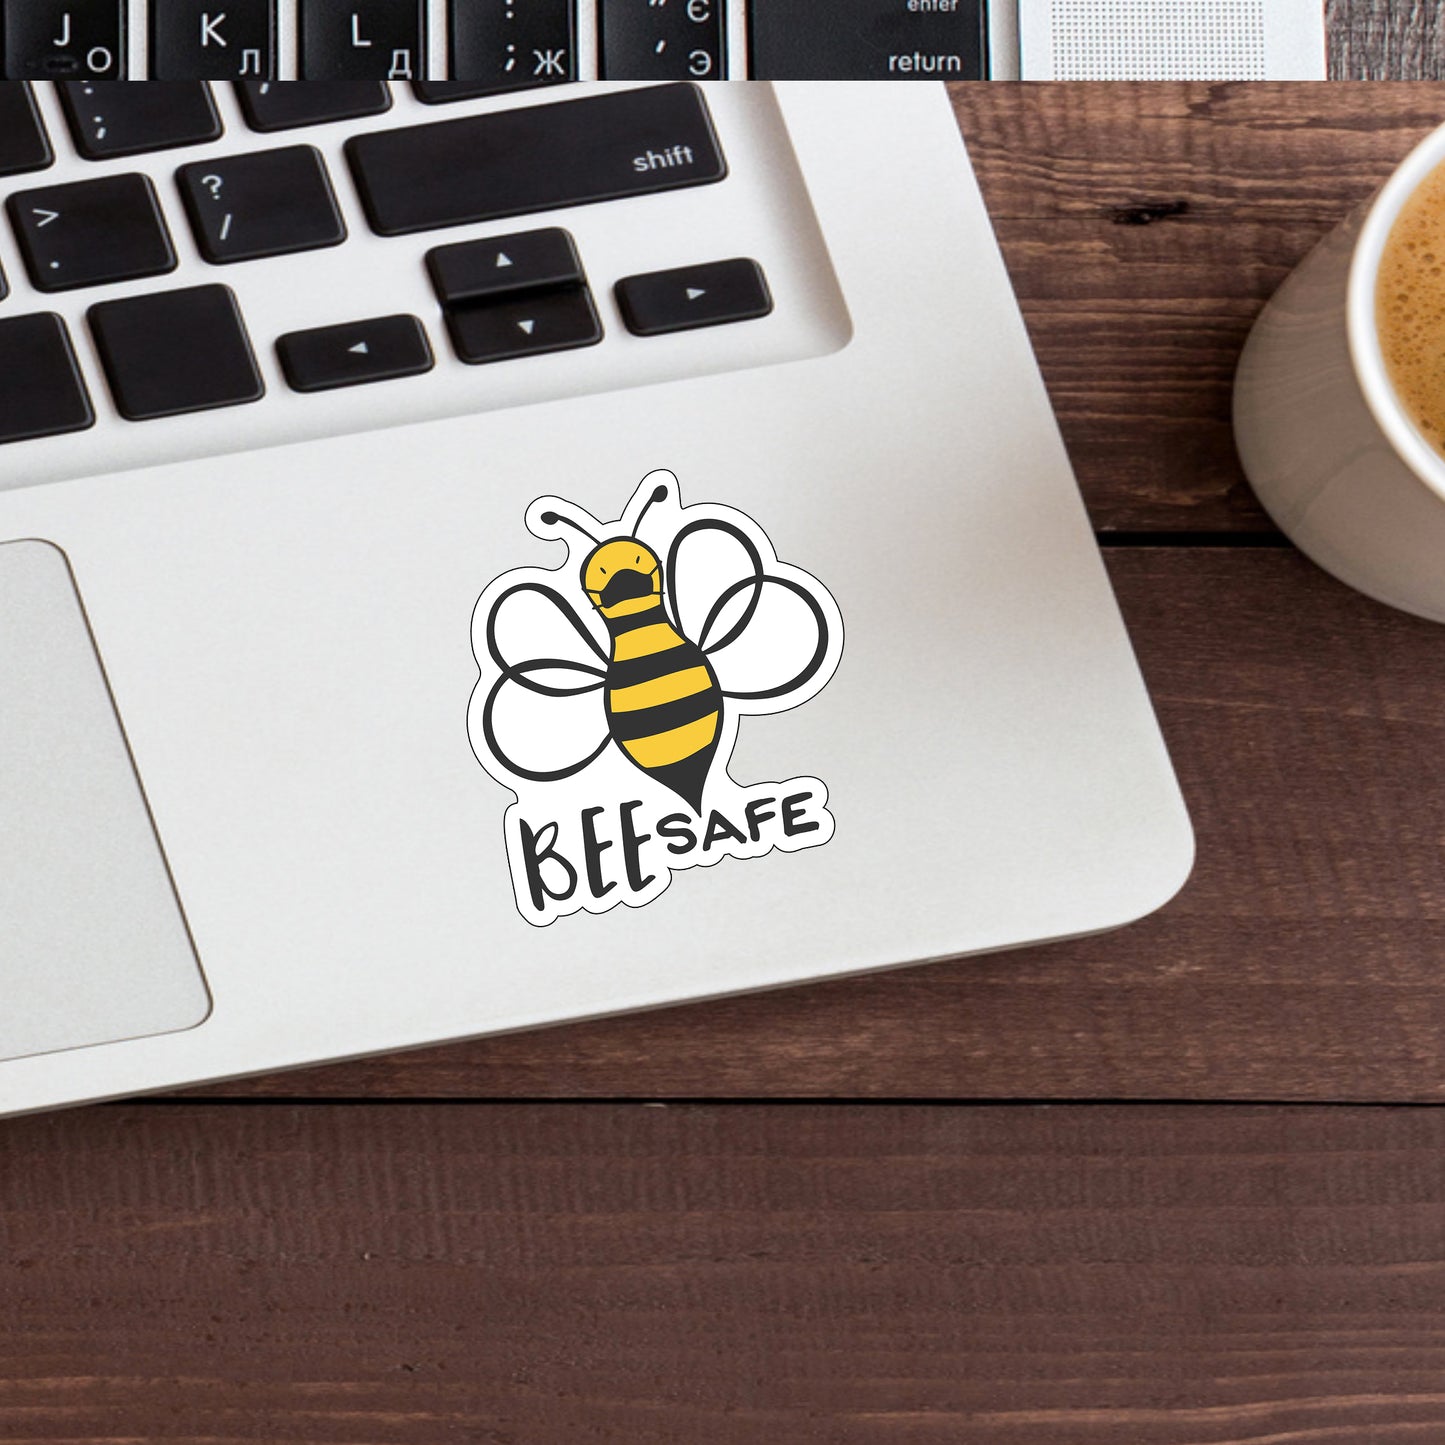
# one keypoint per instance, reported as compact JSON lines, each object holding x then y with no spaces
{"x":476,"y":566}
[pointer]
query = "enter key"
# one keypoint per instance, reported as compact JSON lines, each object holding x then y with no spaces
{"x":879,"y":40}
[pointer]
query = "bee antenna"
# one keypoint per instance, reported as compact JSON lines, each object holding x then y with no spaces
{"x":659,"y":493}
{"x":551,"y":519}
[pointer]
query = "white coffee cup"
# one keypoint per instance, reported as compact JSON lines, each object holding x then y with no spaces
{"x":1331,"y":452}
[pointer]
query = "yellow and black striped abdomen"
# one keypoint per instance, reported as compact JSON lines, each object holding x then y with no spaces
{"x":664,"y":707}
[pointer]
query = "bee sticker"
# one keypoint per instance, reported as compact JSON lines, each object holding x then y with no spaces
{"x":611,"y":692}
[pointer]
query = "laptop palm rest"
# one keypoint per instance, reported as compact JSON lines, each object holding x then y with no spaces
{"x":93,"y":946}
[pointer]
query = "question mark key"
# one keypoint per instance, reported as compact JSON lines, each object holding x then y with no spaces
{"x":268,"y":203}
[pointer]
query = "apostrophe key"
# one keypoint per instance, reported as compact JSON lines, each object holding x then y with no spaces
{"x":272,"y":105}
{"x":363,"y":39}
{"x":213,"y":39}
{"x":500,"y":45}
{"x":879,"y":40}
{"x":89,"y":233}
{"x":64,"y":39}
{"x":41,"y":391}
{"x":662,"y":39}
{"x":24,"y":146}
{"x":473,"y":271}
{"x":694,"y":296}
{"x":383,"y":349}
{"x":529,"y":325}
{"x":269,"y":203}
{"x":175,"y":352}
{"x":120,"y":118}
{"x":536,"y":158}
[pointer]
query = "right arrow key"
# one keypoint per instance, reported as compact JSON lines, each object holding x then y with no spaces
{"x":689,"y":297}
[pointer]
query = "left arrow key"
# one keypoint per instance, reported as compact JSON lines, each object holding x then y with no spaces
{"x":380,"y":349}
{"x":91,"y":233}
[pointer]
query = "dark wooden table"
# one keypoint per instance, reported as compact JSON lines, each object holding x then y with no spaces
{"x":590,"y":1235}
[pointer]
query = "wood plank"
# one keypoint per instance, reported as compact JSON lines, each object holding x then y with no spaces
{"x":548,"y":1275}
{"x":1386,"y":39}
{"x":1302,"y":961}
{"x":1144,"y":226}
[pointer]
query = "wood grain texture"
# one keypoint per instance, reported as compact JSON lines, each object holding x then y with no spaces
{"x":1305,"y":959}
{"x":811,"y":1275}
{"x":1386,"y":39}
{"x":1144,"y":227}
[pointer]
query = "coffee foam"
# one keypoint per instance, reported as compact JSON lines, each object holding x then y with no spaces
{"x":1410,"y":307}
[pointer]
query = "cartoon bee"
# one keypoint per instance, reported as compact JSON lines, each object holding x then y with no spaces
{"x":670,"y":691}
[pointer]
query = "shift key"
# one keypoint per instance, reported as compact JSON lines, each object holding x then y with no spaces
{"x":535,"y":158}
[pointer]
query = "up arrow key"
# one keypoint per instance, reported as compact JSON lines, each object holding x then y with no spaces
{"x":503,"y":259}
{"x":360,"y":349}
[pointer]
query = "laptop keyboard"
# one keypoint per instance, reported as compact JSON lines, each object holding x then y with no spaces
{"x":197,"y":269}
{"x":494,"y":45}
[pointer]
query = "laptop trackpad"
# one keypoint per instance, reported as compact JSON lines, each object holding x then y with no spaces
{"x":93,"y":946}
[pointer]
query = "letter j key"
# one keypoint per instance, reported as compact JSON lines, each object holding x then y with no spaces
{"x":64,"y":39}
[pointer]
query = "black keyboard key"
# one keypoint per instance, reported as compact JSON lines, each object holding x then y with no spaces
{"x":363,"y":39}
{"x":271,"y":105}
{"x":501,"y":45}
{"x":879,"y":40}
{"x":475,"y":271}
{"x":41,"y":390}
{"x":64,"y":39}
{"x":444,"y":92}
{"x":90,"y":233}
{"x":529,"y":325}
{"x":175,"y":352}
{"x":122,"y":118}
{"x":537,"y":158}
{"x":24,"y":146}
{"x":268,"y":203}
{"x":381,"y":349}
{"x":664,"y":39}
{"x":693,"y":296}
{"x":213,"y":39}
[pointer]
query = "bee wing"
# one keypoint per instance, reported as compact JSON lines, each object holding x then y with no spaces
{"x":764,"y":630}
{"x":530,"y":620}
{"x":541,"y":717}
